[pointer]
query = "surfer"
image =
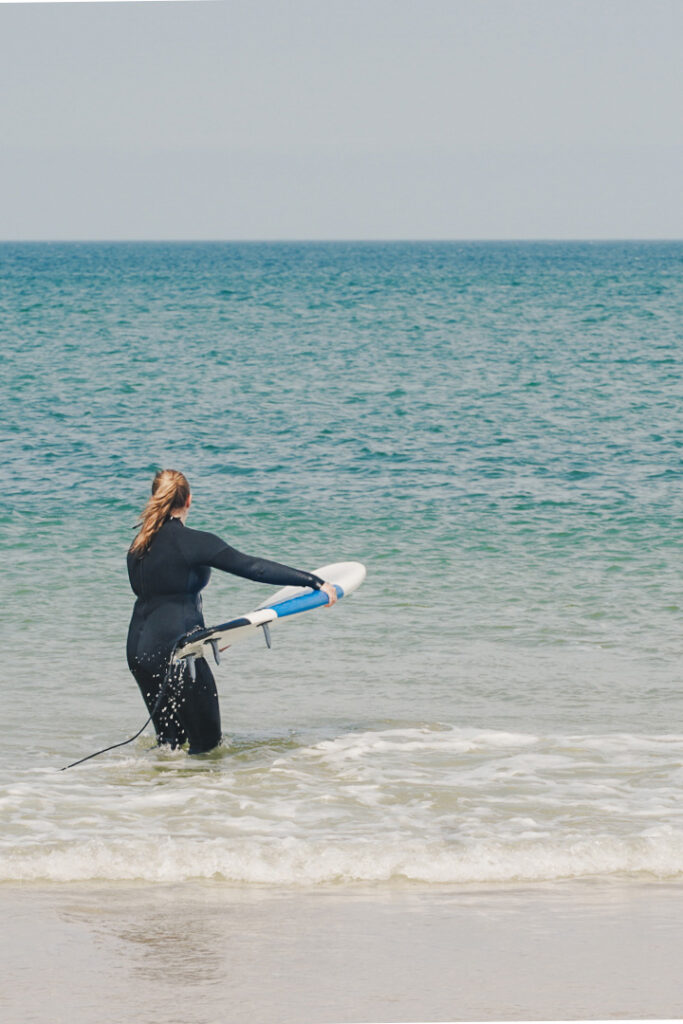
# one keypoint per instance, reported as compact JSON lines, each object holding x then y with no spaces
{"x":168,"y":566}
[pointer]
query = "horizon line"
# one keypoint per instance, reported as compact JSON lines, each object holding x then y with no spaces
{"x":339,"y":241}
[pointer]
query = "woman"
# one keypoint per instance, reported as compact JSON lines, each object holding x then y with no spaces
{"x":168,"y":566}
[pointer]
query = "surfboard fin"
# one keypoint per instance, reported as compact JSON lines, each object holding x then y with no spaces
{"x":190,"y":659}
{"x":216,"y":652}
{"x":266,"y":633}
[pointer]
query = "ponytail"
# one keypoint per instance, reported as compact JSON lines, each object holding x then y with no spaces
{"x":170,"y":490}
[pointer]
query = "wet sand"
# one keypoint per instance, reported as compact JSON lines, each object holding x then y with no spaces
{"x":205,"y":953}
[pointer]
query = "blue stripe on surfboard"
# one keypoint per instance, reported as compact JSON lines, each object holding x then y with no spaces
{"x":302,"y":603}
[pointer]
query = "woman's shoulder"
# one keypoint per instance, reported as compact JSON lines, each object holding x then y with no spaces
{"x":197,"y":545}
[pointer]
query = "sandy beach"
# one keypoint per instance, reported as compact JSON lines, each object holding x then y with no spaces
{"x":207,"y":953}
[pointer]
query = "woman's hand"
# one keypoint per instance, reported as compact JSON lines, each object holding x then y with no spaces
{"x":327,"y":588}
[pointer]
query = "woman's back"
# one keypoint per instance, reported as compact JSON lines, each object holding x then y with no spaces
{"x":175,"y":564}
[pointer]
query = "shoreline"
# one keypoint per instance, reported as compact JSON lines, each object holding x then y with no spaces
{"x":212,"y":952}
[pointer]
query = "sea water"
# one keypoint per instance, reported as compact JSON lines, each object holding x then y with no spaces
{"x":495,"y":430}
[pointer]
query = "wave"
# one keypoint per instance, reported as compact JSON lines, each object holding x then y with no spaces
{"x":427,"y":804}
{"x":301,"y":863}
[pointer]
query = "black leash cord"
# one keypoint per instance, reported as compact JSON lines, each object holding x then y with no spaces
{"x":162,"y":694}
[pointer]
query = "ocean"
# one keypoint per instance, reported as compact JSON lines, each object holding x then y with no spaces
{"x":494,"y":429}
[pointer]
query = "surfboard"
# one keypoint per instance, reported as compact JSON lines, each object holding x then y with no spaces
{"x":283,"y":605}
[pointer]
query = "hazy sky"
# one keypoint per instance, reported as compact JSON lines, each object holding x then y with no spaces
{"x":352,"y":119}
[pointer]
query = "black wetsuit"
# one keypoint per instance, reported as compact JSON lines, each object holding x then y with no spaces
{"x":167,"y":581}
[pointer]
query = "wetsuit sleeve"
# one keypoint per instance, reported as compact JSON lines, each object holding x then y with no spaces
{"x":263,"y":571}
{"x":200,"y":548}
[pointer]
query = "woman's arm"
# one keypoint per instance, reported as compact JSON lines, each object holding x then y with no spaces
{"x":200,"y":548}
{"x":262,"y":570}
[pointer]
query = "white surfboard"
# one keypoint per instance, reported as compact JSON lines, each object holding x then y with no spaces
{"x":283,"y":605}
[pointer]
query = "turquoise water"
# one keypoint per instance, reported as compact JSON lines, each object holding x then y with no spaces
{"x":496,"y":430}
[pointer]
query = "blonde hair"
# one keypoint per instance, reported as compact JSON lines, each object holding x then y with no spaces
{"x":170,"y":490}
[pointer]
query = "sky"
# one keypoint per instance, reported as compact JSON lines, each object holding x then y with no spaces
{"x":359,"y":119}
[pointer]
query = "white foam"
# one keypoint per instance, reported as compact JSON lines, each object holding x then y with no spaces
{"x":354,"y":746}
{"x":433,"y":803}
{"x":294,"y":862}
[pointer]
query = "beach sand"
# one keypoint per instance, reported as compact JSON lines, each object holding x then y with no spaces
{"x":205,"y":953}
